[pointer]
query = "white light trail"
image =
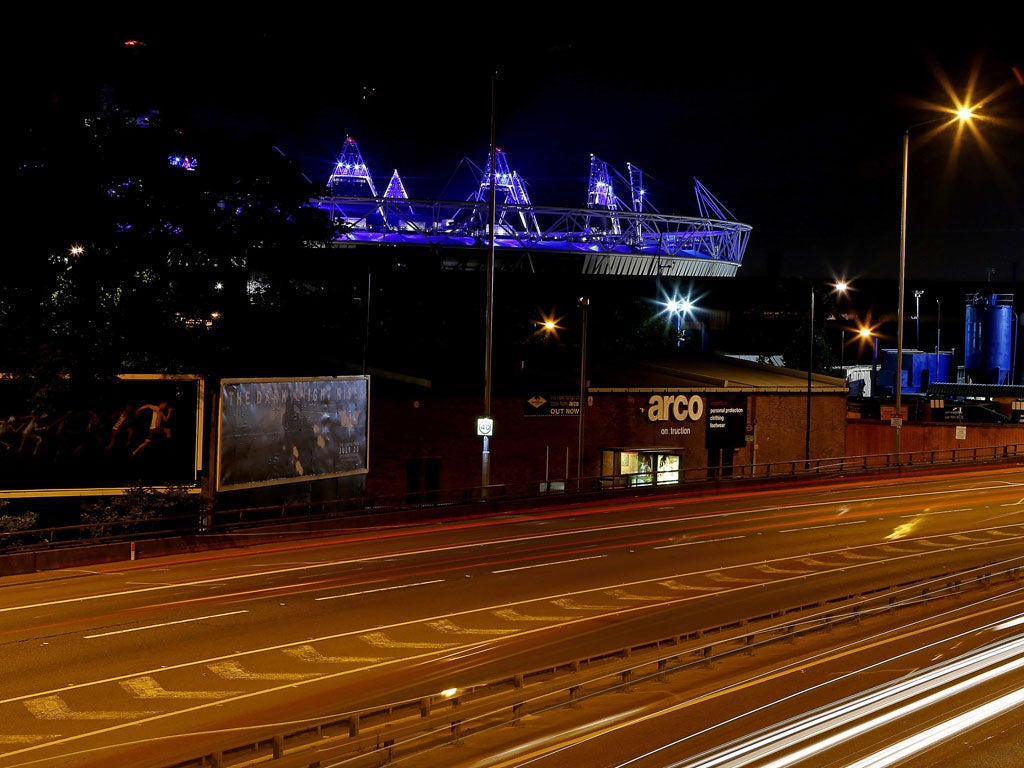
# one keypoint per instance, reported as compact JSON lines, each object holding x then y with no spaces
{"x":945,"y":680}
{"x":897,"y":752}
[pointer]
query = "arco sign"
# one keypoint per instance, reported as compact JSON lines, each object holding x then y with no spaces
{"x":675,"y":408}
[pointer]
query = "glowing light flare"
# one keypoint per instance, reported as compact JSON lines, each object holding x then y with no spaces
{"x":904,"y":530}
{"x":677,"y":305}
{"x":549,"y":324}
{"x":969,"y":113}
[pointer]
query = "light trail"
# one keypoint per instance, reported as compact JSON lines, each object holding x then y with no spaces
{"x":943,"y":681}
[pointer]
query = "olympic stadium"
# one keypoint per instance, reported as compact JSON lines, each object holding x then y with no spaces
{"x":613,"y":235}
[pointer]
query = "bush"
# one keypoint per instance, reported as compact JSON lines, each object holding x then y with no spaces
{"x":140,"y":508}
{"x":13,"y":524}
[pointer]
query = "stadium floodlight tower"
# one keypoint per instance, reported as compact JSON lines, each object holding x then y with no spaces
{"x":637,"y":192}
{"x":350,"y":169}
{"x":396,"y":190}
{"x":509,"y":184}
{"x":601,"y":193}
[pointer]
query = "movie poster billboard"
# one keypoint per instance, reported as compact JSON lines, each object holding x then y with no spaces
{"x":135,"y":429}
{"x":290,"y":430}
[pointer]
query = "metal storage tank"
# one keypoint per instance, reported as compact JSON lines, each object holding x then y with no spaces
{"x":989,"y":338}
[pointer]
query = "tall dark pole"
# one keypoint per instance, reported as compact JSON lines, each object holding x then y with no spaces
{"x":366,"y":334}
{"x":897,"y":421}
{"x":485,"y":469}
{"x":584,"y":303}
{"x":810,"y":365}
{"x":917,"y":318}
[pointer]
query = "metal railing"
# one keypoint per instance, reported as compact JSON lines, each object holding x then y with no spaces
{"x":409,"y":507}
{"x":375,"y":737}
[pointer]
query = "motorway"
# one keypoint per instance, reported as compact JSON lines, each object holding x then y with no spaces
{"x":152,"y":663}
{"x":942,"y":689}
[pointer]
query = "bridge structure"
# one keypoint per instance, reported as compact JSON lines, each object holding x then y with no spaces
{"x":610,"y":236}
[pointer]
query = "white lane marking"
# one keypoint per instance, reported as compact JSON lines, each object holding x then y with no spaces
{"x":232,"y":670}
{"x":55,"y":708}
{"x":381,"y":640}
{"x":571,"y":605}
{"x":381,"y":589}
{"x":510,"y":614}
{"x":703,"y":541}
{"x":162,"y":624}
{"x":545,"y":565}
{"x":717,"y":576}
{"x":621,"y":594}
{"x":815,"y":527}
{"x":681,"y":587}
{"x":309,"y":653}
{"x":450,"y":627}
{"x":147,"y":688}
{"x":773,"y":569}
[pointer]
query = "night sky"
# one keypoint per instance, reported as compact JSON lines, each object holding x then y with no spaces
{"x":794,"y":122}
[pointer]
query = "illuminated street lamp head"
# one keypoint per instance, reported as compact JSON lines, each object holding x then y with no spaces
{"x":679,"y":306}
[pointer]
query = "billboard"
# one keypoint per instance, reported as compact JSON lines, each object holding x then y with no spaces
{"x":727,"y":421}
{"x":274,"y":431}
{"x":138,"y":428}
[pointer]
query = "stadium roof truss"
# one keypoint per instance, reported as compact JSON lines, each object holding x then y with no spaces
{"x":610,"y":237}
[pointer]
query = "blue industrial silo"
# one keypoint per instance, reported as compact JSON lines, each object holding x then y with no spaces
{"x":989,"y":338}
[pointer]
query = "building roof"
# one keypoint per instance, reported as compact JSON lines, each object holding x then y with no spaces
{"x":960,"y":389}
{"x":709,"y":372}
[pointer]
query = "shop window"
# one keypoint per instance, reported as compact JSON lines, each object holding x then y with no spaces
{"x":668,"y":468}
{"x":642,"y":468}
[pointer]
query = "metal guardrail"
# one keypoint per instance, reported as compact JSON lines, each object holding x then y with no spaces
{"x":377,"y":736}
{"x":479,"y":500}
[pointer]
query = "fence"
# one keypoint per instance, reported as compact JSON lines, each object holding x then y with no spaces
{"x":20,"y":549}
{"x":377,"y":737}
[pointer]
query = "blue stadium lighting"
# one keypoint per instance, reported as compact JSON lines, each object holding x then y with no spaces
{"x":612,"y":237}
{"x":183,"y":161}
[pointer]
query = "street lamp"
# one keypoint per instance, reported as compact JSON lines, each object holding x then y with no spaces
{"x":675,"y":308}
{"x":917,"y":318}
{"x":584,"y":303}
{"x":840,"y":287}
{"x":485,"y":424}
{"x":962,"y":114}
{"x":865,"y":333}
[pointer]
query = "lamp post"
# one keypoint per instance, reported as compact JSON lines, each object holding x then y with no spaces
{"x":962,"y":115}
{"x":841,"y":287}
{"x":675,"y":308}
{"x":584,"y":303}
{"x":485,"y":425}
{"x":917,"y":318}
{"x":810,"y":365}
{"x":865,"y":333}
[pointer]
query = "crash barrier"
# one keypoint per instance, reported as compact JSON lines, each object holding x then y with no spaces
{"x":69,"y":546}
{"x":378,"y":736}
